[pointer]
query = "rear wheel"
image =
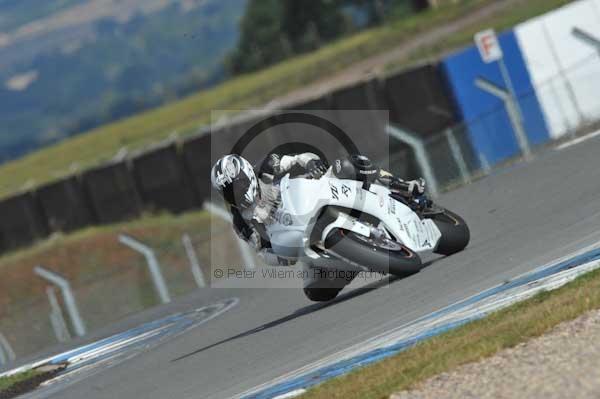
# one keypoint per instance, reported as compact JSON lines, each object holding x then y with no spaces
{"x":455,"y":232}
{"x":381,"y":254}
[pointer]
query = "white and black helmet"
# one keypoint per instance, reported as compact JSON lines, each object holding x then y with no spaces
{"x":235,"y":179}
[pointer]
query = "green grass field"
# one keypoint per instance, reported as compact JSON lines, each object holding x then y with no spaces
{"x":246,"y":91}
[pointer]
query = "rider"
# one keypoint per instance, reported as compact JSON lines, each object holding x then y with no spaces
{"x":253,"y":196}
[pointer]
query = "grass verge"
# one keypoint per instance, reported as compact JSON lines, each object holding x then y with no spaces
{"x":22,"y":383}
{"x":470,"y":343}
{"x":7,"y":382}
{"x":243,"y":92}
{"x":13,"y":386}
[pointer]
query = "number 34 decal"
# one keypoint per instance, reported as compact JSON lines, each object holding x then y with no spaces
{"x":335,"y":193}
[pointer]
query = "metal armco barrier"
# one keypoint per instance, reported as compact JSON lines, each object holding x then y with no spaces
{"x":162,"y":181}
{"x":21,"y":221}
{"x":365,"y":95}
{"x":418,"y":100}
{"x":366,"y":121}
{"x":198,"y":162}
{"x":112,"y":192}
{"x":54,"y":198}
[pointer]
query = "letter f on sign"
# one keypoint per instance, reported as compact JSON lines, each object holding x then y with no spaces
{"x":488,"y":46}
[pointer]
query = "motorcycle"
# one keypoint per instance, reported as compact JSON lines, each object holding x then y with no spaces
{"x":350,"y":223}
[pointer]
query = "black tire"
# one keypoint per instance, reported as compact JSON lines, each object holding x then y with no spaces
{"x":455,"y":233}
{"x":317,"y":294}
{"x":350,"y":246}
{"x":327,"y":284}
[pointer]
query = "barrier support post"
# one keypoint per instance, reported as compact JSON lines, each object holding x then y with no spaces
{"x":69,"y":299}
{"x":153,"y":266}
{"x":194,"y":262}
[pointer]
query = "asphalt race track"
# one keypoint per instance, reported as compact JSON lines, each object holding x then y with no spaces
{"x":522,"y":217}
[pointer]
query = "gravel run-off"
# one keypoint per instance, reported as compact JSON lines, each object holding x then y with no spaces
{"x":564,"y":363}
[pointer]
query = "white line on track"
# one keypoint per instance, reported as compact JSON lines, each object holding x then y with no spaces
{"x":577,"y":141}
{"x":292,"y":394}
{"x":117,"y":347}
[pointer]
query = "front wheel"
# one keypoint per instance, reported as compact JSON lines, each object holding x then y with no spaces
{"x":381,"y":255}
{"x":455,"y":232}
{"x":325,"y":284}
{"x":317,"y":294}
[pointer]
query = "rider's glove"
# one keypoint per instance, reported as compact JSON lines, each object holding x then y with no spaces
{"x":316,"y":168}
{"x":416,"y":187}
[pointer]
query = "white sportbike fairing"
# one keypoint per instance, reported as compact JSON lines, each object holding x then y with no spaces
{"x":340,"y":224}
{"x":303,"y":199}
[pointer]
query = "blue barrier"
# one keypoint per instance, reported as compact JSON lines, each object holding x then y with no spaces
{"x":489,"y":127}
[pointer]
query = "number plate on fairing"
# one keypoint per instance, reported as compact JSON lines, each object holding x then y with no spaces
{"x":428,"y":234}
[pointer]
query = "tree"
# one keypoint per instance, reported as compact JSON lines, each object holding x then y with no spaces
{"x":309,"y":23}
{"x":272,"y":30}
{"x":380,"y":10}
{"x":260,"y":33}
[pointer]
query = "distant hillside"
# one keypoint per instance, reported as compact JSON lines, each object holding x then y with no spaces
{"x":14,"y":14}
{"x":70,"y":65}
